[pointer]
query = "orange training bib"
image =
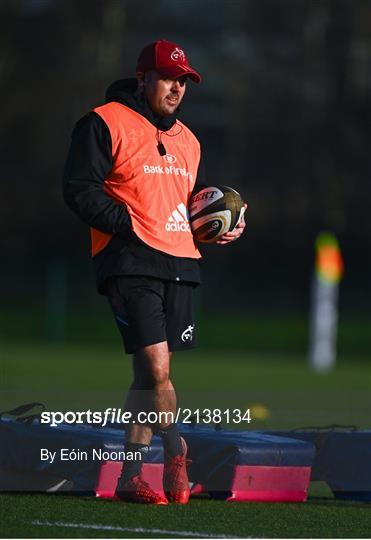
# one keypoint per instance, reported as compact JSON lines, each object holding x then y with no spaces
{"x":154,"y":188}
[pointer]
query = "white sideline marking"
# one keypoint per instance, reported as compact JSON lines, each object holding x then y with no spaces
{"x":183,"y":534}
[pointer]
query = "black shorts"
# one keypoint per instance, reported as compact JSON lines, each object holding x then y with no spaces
{"x":149,"y":310}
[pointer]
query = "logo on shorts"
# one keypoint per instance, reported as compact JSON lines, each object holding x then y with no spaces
{"x":178,"y":221}
{"x":188,"y":333}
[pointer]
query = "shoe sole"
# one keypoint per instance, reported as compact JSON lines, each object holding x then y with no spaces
{"x":120,"y":499}
{"x":172,"y":500}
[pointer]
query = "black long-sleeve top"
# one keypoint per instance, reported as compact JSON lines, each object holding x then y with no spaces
{"x":89,"y":162}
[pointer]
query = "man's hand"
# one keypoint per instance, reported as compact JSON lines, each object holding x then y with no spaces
{"x":234,"y":235}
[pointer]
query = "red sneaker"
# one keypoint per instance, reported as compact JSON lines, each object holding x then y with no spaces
{"x":136,"y":490}
{"x":175,"y":478}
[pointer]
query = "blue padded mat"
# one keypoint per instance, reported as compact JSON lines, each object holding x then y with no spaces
{"x":342,"y":460}
{"x":213,"y":453}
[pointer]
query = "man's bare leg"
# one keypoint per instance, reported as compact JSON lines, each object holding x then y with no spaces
{"x":152,"y":390}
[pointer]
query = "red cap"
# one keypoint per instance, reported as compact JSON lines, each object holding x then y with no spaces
{"x":168,"y":59}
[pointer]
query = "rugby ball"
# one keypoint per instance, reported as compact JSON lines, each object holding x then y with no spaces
{"x":214,"y":211}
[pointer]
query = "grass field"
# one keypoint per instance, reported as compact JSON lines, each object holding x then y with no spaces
{"x":49,"y":516}
{"x":81,"y":376}
{"x":93,"y":373}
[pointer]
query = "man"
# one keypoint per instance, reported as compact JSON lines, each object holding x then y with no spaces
{"x":131,"y":168}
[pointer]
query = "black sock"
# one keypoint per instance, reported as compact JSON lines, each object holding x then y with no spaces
{"x":132,"y":467}
{"x":171,"y":440}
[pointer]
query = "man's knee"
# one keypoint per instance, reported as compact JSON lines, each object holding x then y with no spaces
{"x":160,"y":376}
{"x":152,"y":377}
{"x":152,"y":367}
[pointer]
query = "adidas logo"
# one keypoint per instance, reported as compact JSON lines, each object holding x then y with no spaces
{"x":178,"y":221}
